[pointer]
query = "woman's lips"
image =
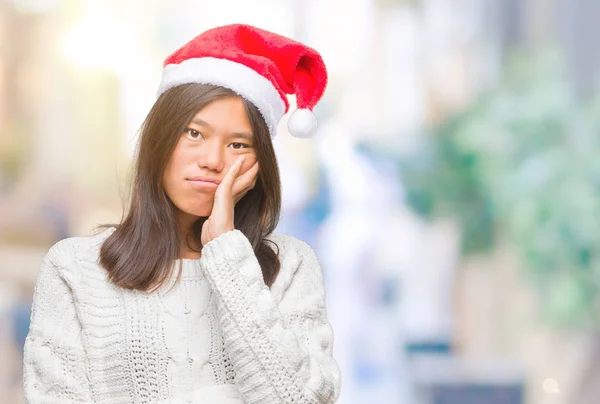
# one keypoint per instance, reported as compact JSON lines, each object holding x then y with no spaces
{"x":203,"y":183}
{"x":205,"y":179}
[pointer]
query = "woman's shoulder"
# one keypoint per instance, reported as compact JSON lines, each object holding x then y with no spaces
{"x":291,"y":250}
{"x":297,"y":261}
{"x":288,"y":243}
{"x":69,"y":251}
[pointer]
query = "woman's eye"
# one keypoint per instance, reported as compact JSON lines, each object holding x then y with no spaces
{"x":193,"y":134}
{"x":239,"y":146}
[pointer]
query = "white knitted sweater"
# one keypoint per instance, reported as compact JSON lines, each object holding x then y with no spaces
{"x":219,"y":335}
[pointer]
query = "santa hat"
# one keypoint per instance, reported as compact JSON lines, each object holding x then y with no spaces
{"x":260,"y":66}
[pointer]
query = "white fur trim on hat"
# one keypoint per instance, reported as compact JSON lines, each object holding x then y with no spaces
{"x":237,"y":77}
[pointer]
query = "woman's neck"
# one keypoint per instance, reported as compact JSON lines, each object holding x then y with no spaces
{"x":190,"y":247}
{"x":190,"y":255}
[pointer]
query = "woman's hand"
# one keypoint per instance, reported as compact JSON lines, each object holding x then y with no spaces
{"x":228,"y":193}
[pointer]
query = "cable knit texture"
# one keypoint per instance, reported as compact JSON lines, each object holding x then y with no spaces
{"x":219,"y":335}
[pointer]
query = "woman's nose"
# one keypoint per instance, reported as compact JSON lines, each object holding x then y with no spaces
{"x":213,"y":157}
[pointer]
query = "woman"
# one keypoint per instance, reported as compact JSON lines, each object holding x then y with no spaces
{"x":192,"y":297}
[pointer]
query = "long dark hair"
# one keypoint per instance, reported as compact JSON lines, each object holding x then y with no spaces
{"x":141,"y":252}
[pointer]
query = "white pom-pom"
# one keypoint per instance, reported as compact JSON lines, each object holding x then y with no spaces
{"x":302,"y":123}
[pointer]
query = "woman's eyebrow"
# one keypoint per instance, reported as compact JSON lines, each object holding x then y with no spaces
{"x":247,"y":136}
{"x":200,"y":122}
{"x":207,"y":125}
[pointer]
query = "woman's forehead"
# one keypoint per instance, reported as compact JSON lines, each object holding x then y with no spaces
{"x":227,"y":115}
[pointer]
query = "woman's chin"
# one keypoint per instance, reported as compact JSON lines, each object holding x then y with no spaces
{"x":199,"y":211}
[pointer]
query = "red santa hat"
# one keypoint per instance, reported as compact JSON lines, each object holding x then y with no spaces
{"x":260,"y":66}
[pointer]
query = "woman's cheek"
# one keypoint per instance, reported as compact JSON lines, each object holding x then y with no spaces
{"x":248,"y":162}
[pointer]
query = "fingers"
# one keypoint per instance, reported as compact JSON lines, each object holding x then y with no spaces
{"x":226,"y":196}
{"x":246,"y":181}
{"x":231,"y":175}
{"x":233,"y":187}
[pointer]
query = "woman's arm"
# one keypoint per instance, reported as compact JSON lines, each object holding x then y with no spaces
{"x":281,"y":351}
{"x":54,"y":358}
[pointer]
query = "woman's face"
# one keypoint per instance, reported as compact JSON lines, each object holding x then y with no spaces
{"x":212,"y":141}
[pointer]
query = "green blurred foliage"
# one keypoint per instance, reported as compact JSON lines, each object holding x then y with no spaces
{"x":13,"y":155}
{"x":523,"y":164}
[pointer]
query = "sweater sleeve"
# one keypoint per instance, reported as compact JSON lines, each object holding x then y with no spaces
{"x":281,"y":349}
{"x":54,"y":359}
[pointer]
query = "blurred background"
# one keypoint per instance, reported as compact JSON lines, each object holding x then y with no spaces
{"x":452,"y":193}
